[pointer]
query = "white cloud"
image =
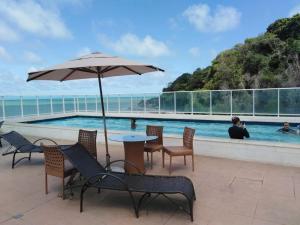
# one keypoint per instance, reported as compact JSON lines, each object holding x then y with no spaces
{"x":4,"y":54}
{"x":131,"y":44}
{"x":295,"y":10}
{"x":84,"y":51}
{"x":32,"y":17}
{"x":222,"y":19}
{"x":32,"y":57}
{"x":7,"y":33}
{"x":194,"y":51}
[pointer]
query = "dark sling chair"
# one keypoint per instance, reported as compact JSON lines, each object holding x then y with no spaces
{"x":19,"y":144}
{"x":100,"y":178}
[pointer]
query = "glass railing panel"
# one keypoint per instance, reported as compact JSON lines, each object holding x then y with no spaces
{"x":29,"y":106}
{"x":266,"y":101}
{"x":242,"y":102}
{"x":12,"y":106}
{"x":183,"y":102}
{"x":289,"y":101}
{"x":167,"y":102}
{"x":201,"y":102}
{"x":221,"y":102}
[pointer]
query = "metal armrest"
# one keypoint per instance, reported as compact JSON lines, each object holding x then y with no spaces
{"x":47,"y":139}
{"x":100,"y":176}
{"x":126,"y":162}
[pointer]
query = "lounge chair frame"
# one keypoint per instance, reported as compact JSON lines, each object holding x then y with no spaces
{"x":20,"y":148}
{"x":119,"y":182}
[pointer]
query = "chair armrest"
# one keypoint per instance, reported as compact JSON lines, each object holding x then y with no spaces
{"x":100,"y":176}
{"x":47,"y":139}
{"x":125,"y":162}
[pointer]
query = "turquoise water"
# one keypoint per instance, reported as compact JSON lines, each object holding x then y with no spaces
{"x":260,"y":132}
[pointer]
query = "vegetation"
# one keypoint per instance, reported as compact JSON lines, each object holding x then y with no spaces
{"x":268,"y":61}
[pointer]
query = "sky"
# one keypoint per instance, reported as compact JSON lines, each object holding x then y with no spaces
{"x":176,"y":35}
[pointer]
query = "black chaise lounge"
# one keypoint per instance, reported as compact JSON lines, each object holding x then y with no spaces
{"x":19,"y":144}
{"x":100,"y":178}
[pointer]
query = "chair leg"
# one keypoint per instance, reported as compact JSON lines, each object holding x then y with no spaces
{"x":193,"y":162}
{"x":46,"y":183}
{"x":184,"y":160}
{"x":63,"y":188}
{"x":151,"y":159}
{"x":29,"y":158}
{"x":163,"y":158}
{"x":170,"y":165}
{"x":13,"y":161}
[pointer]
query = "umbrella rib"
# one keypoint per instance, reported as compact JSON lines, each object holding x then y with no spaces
{"x":156,"y":68}
{"x":40,"y":75}
{"x":86,"y":70}
{"x":109,"y":68}
{"x":68,"y":75}
{"x":131,"y":70}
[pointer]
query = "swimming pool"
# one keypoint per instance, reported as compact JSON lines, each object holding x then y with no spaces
{"x":259,"y":132}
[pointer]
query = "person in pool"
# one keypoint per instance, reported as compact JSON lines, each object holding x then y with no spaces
{"x":133,"y":123}
{"x":238,"y":130}
{"x":286,"y":129}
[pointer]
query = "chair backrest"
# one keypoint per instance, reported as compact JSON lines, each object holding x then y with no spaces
{"x":17,"y":140}
{"x":155,"y":131}
{"x":188,"y":137}
{"x":88,"y":139}
{"x":54,"y":161}
{"x":83,"y":161}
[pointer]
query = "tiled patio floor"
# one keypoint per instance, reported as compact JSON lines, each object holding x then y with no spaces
{"x":229,"y":192}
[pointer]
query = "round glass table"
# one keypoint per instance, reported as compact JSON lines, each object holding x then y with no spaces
{"x":134,"y":150}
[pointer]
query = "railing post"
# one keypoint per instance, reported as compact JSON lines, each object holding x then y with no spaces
{"x":278,"y":102}
{"x":21,"y":106}
{"x":96,"y":104}
{"x":63,"y":103}
{"x":175,"y":110}
{"x":74,"y":102}
{"x":3,"y":108}
{"x":145,"y":104}
{"x":107,"y":109}
{"x":37,"y":106}
{"x":159,"y":104}
{"x":192,"y":102}
{"x":77,"y":104}
{"x":253,"y":102}
{"x":131,"y":104}
{"x":85,"y":103}
{"x":231,"y":102}
{"x":119,"y":103}
{"x":51,"y":105}
{"x":210,"y":102}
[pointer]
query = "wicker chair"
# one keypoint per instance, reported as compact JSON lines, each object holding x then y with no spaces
{"x":56,"y":165}
{"x":88,"y":140}
{"x":154,"y":145}
{"x":186,"y":149}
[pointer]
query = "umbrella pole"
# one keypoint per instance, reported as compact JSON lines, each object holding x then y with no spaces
{"x":104,"y":119}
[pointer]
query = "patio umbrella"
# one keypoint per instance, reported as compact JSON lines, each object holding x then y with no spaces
{"x":95,"y":65}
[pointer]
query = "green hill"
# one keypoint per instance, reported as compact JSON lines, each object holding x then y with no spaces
{"x":267,"y":61}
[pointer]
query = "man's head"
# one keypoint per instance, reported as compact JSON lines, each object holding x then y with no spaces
{"x":286,"y":125}
{"x":235,"y":120}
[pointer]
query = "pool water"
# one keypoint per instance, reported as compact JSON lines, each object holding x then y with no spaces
{"x":259,"y":132}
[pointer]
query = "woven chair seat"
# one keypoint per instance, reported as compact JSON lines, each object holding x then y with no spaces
{"x":178,"y":150}
{"x":149,"y":147}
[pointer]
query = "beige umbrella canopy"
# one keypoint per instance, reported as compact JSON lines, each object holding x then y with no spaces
{"x":95,"y":65}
